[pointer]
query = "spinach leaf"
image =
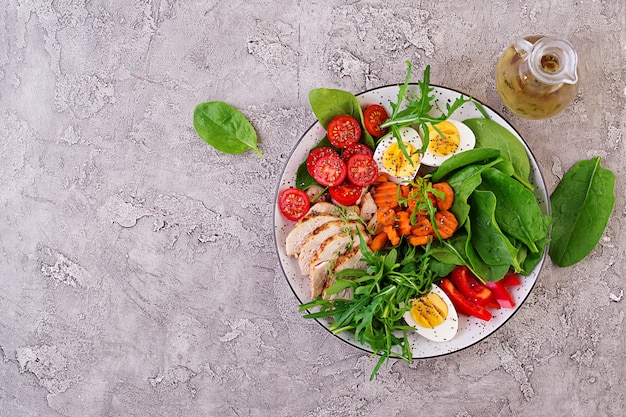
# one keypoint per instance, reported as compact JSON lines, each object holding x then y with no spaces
{"x":491,"y":134}
{"x":328,"y":103}
{"x":517,"y":212}
{"x":581,"y":207}
{"x":479,"y":267}
{"x":224,"y":127}
{"x":464,"y":182}
{"x":462,"y":159}
{"x":487,"y":238}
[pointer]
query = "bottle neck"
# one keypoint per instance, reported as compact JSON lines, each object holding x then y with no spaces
{"x":553,"y":61}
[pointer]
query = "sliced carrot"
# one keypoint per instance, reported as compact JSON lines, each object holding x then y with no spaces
{"x":422,"y":227}
{"x":386,"y":216}
{"x":446,"y":223}
{"x":446,"y":202}
{"x":403,"y":219}
{"x":392,"y":235}
{"x":381,"y":178}
{"x":379,"y":241}
{"x":405,"y":190}
{"x":385,"y":195}
{"x":419,"y":240}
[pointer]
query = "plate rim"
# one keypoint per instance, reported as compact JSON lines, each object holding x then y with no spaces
{"x":355,"y":343}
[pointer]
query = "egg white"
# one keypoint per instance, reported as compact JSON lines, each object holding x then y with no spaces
{"x":467,"y":142}
{"x":443,"y":332}
{"x":410,"y":136}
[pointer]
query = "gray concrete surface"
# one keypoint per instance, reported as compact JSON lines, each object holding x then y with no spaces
{"x":138,"y":276}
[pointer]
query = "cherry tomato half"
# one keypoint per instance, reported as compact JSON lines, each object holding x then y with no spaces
{"x":373,"y":116}
{"x":346,"y":193}
{"x":362,"y":170}
{"x":293,"y":203}
{"x":330,"y":170}
{"x":316,"y":154}
{"x":357,"y":148}
{"x":344,"y":131}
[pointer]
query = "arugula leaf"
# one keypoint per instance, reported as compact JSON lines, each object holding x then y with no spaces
{"x":382,"y":295}
{"x":225,"y":128}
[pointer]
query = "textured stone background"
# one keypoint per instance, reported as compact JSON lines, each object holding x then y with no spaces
{"x":138,"y":275}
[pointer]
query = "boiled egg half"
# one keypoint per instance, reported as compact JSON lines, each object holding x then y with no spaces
{"x":391,"y":160}
{"x":433,"y":316}
{"x":456,"y":138}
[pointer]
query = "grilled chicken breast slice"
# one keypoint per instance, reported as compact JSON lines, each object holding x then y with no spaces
{"x":352,"y":259}
{"x":305,"y":226}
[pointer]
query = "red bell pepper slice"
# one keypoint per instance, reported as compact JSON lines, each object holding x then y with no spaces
{"x":462,"y":304}
{"x":471,"y":288}
{"x":510,"y":280}
{"x":501,"y":294}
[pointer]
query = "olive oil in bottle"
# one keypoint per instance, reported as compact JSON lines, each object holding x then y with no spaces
{"x":536,"y":77}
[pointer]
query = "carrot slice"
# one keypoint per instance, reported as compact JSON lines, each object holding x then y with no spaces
{"x":385,"y":195}
{"x":392,"y":235}
{"x":419,"y":240}
{"x":386,"y":216}
{"x":422,"y":227}
{"x":446,"y":202}
{"x":379,"y":241}
{"x":446,"y":223}
{"x":404,"y":223}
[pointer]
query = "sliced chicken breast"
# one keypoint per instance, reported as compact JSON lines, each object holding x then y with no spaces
{"x":318,"y":277}
{"x":336,"y":245}
{"x":352,"y":259}
{"x":368,"y":207}
{"x":316,"y":239}
{"x":305,"y":226}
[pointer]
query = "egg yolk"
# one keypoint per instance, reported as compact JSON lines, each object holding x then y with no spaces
{"x":396,"y":164}
{"x":446,"y":145}
{"x":429,"y":310}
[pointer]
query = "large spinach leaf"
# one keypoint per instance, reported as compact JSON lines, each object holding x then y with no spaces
{"x":476,"y":156}
{"x":491,"y":134}
{"x":581,"y":207}
{"x":487,"y":238}
{"x":517,"y":212}
{"x":224,"y":127}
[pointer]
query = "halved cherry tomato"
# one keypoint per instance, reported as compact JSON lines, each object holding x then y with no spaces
{"x":470,"y":287}
{"x":357,"y":148}
{"x":329,"y":170}
{"x":315,"y":156}
{"x":362,"y":170}
{"x":510,"y":280}
{"x":462,"y":304}
{"x":344,"y":131}
{"x":501,"y":295}
{"x":346,"y":193}
{"x":373,"y":116}
{"x":293,"y":203}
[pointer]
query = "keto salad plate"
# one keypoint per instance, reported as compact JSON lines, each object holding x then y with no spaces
{"x":469,"y":329}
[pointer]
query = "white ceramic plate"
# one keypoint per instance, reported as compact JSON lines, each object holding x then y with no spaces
{"x":471,"y":330}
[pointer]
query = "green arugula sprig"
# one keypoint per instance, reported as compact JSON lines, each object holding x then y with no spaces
{"x":419,"y":112}
{"x":382,"y":294}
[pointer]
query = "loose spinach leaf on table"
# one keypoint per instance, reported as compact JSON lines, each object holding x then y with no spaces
{"x":581,"y":206}
{"x":225,"y":128}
